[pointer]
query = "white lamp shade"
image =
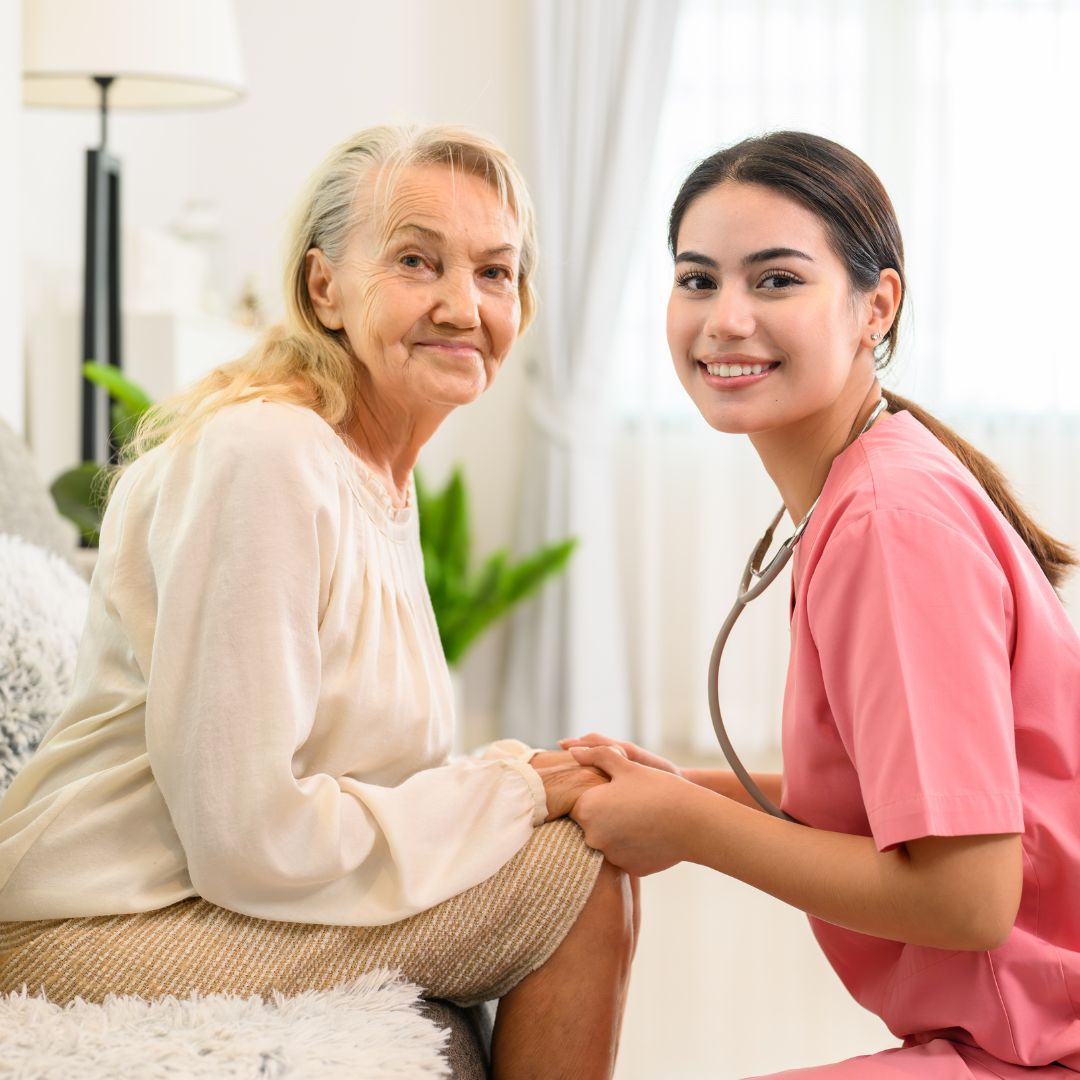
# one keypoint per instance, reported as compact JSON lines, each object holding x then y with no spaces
{"x":161,"y":53}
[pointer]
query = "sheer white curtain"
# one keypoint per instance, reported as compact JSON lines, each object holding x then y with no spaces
{"x":599,"y":78}
{"x":966,"y":110}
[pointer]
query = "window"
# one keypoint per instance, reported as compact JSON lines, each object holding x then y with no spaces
{"x":966,"y":111}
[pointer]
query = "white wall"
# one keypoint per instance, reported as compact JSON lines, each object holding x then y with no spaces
{"x":316,"y":73}
{"x":11,"y":343}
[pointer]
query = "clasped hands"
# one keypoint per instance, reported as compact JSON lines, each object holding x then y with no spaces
{"x":621,"y":795}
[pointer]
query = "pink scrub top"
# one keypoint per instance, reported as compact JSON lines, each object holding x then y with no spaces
{"x":934,"y":690}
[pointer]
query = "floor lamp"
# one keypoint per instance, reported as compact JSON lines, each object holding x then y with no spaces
{"x":121,"y":54}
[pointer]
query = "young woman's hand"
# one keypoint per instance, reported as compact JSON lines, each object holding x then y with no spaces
{"x":636,"y":820}
{"x":629,"y":749}
{"x":564,"y":784}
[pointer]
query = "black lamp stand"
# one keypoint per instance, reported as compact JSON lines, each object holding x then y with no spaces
{"x":101,"y":296}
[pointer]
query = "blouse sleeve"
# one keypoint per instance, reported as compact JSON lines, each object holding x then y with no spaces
{"x":911,"y":620}
{"x":242,"y":546}
{"x":507,"y":750}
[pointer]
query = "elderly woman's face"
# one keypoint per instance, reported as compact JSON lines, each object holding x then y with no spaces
{"x":428,"y":293}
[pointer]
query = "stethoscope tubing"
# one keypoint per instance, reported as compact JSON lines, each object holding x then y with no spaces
{"x":746,"y":593}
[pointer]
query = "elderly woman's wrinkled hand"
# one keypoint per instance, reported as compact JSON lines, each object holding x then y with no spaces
{"x":547,"y":759}
{"x":565,"y":784}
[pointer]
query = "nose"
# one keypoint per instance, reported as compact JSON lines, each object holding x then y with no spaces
{"x":457,"y":300}
{"x":730,"y":315}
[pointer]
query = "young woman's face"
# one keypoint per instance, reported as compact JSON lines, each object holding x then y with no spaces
{"x":763,"y":327}
{"x":428,"y":294}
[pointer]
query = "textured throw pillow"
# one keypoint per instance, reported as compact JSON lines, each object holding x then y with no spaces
{"x":26,"y":507}
{"x":42,"y":610}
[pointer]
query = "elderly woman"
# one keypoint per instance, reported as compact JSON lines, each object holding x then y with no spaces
{"x":250,"y":790}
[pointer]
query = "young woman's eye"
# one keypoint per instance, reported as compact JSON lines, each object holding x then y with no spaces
{"x":779,"y":280}
{"x":694,"y":281}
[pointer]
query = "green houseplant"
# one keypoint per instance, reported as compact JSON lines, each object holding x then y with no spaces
{"x":466,"y":600}
{"x":80,"y":493}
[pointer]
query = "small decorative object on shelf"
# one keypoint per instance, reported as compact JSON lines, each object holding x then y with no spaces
{"x":248,"y":310}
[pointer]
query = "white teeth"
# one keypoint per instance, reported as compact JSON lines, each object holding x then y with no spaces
{"x":726,"y":371}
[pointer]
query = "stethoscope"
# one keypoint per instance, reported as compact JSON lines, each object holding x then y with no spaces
{"x":746,"y":593}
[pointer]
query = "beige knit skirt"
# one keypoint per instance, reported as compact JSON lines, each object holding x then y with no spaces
{"x":473,"y":947}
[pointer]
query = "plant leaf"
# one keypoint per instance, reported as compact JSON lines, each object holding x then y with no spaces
{"x":78,"y":496}
{"x":465,"y":605}
{"x":453,"y":537}
{"x":490,"y":579}
{"x":131,"y":397}
{"x":123,"y":424}
{"x":513,"y":584}
{"x":527,"y":575}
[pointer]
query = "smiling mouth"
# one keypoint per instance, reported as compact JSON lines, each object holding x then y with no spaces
{"x":732,"y":371}
{"x":450,"y":346}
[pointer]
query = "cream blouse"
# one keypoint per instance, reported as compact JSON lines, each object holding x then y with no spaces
{"x":262,"y":711}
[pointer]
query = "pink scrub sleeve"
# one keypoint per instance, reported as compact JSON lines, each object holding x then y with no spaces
{"x":912,"y":621}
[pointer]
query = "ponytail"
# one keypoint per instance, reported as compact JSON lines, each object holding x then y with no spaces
{"x":1055,"y":559}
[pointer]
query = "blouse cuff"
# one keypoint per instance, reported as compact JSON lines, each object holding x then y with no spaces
{"x":506,"y":750}
{"x":536,"y":788}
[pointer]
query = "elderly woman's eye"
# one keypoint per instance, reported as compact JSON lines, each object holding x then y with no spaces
{"x":497,"y":273}
{"x":412,"y":262}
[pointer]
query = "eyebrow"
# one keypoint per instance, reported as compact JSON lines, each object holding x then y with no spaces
{"x":765,"y":255}
{"x":439,"y":238}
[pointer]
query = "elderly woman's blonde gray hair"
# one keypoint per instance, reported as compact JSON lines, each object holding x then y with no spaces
{"x":300,"y":360}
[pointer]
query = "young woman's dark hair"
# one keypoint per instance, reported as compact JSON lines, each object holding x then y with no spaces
{"x":844,"y":193}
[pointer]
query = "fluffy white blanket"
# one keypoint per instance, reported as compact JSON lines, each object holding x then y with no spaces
{"x":369,"y":1028}
{"x":42,"y":610}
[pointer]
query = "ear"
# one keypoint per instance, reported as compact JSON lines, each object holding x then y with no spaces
{"x":322,"y":289}
{"x":882,"y":303}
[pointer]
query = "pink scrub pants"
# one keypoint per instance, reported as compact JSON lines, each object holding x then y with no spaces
{"x":936,"y":1060}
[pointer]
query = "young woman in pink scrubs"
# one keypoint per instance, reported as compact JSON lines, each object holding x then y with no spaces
{"x":931,"y":726}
